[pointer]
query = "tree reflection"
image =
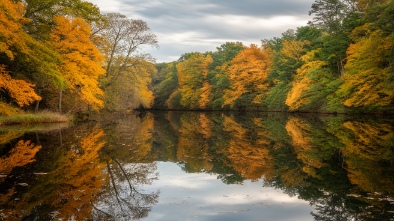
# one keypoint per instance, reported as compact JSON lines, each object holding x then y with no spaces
{"x":248,"y":153}
{"x":59,"y":185}
{"x":22,"y":154}
{"x":129,"y":165}
{"x":121,"y":198}
{"x":343,"y":167}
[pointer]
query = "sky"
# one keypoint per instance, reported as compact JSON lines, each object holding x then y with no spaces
{"x":184,"y":26}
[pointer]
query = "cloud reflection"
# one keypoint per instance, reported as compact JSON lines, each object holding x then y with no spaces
{"x":201,"y":196}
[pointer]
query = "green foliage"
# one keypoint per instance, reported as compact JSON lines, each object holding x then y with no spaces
{"x":276,"y":98}
{"x":166,"y":87}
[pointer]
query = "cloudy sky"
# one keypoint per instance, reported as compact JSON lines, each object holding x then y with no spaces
{"x":202,"y":25}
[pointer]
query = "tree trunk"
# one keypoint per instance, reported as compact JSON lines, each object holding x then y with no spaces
{"x":38,"y":101}
{"x":60,"y":99}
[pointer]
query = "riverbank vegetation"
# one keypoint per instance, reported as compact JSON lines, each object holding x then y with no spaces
{"x":342,"y":61}
{"x":34,"y":118}
{"x":66,"y":56}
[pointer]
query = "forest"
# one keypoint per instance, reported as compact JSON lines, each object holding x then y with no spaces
{"x":65,"y":56}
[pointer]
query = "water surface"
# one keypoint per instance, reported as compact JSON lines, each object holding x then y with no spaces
{"x":200,"y":166}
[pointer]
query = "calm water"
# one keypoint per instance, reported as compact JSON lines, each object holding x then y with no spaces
{"x":200,"y":166}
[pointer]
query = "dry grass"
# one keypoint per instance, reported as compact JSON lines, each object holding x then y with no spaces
{"x":34,"y":118}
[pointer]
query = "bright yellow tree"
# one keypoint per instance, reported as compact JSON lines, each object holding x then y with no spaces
{"x":81,"y":60}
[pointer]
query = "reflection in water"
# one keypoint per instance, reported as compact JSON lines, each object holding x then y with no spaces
{"x":109,"y":170}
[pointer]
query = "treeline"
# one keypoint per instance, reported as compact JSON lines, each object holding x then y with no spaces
{"x":64,"y":55}
{"x":342,"y":61}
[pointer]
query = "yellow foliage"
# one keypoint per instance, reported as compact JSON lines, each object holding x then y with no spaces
{"x":293,"y":49}
{"x":81,"y":60}
{"x":144,"y":139}
{"x":192,"y":82}
{"x":205,"y":124}
{"x":20,"y":90}
{"x":6,"y":137}
{"x":205,"y":94}
{"x":192,"y":145}
{"x":131,"y":88}
{"x":368,"y":75}
{"x":8,"y":110}
{"x":301,"y":83}
{"x":11,"y":20}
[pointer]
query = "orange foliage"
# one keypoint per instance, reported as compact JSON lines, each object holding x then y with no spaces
{"x":248,"y":72}
{"x":11,"y":19}
{"x":81,"y":60}
{"x":22,"y":154}
{"x":143,"y":133}
{"x":205,"y":124}
{"x":20,"y":90}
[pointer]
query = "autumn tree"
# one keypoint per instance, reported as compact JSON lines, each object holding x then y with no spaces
{"x":367,"y":148}
{"x":217,"y":76}
{"x":248,"y":74}
{"x":312,"y":85}
{"x":40,"y":63}
{"x":287,"y":58}
{"x":23,"y":58}
{"x":81,"y":61}
{"x":42,"y":13}
{"x":119,"y":40}
{"x":192,"y":80}
{"x":368,"y":80}
{"x":19,"y":91}
{"x":133,"y":88}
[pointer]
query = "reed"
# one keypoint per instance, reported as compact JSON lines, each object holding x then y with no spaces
{"x":34,"y":118}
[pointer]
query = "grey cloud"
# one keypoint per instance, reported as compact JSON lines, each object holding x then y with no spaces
{"x":211,"y":20}
{"x":185,"y":8}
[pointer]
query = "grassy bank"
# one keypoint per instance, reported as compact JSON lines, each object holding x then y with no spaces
{"x":33,"y":118}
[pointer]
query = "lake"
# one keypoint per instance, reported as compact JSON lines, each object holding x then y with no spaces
{"x":200,"y":166}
